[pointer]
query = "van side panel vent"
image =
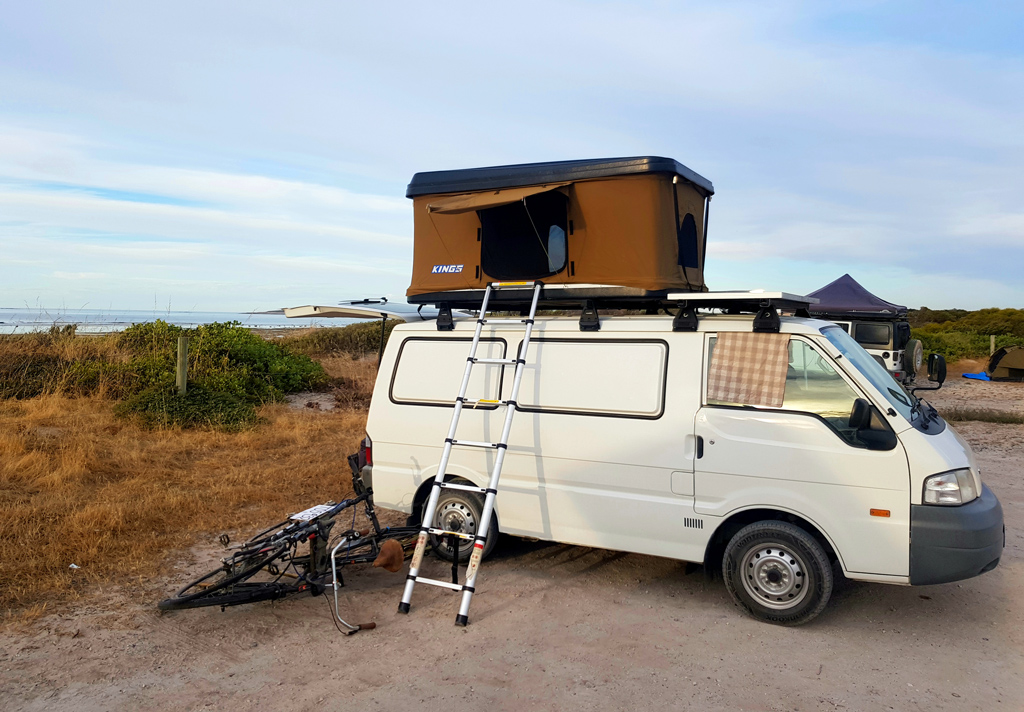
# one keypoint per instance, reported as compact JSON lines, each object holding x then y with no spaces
{"x":693,"y":523}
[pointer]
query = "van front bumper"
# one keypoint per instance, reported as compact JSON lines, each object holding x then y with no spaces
{"x":954,"y":543}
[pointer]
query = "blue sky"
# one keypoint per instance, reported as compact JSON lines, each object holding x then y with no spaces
{"x":254,"y":155}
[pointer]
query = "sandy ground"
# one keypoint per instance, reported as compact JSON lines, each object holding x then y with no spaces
{"x":962,"y":392}
{"x":555,"y":627}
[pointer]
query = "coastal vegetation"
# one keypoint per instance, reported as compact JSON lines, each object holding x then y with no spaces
{"x":231,"y":370}
{"x":960,"y":334}
{"x":103,"y":467}
{"x":358,"y":338}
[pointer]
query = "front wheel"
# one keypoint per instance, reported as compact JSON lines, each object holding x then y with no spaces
{"x":778,"y":573}
{"x":226,"y":586}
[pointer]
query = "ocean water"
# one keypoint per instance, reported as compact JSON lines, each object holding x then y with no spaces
{"x":98,"y":321}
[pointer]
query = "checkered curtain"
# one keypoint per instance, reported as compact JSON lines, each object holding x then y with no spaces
{"x":749,"y":369}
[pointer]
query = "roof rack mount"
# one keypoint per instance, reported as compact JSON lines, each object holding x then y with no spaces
{"x":571,"y":297}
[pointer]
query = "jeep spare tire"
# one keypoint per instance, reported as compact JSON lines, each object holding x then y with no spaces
{"x":913,"y":357}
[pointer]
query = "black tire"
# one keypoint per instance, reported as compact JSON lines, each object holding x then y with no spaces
{"x":210,"y":589}
{"x":461,"y":512}
{"x":913,"y":358}
{"x":235,"y":595}
{"x":778,"y":573}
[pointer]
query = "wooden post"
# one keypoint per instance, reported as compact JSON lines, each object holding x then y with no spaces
{"x":380,"y":352}
{"x":991,"y":344}
{"x":181,"y":373}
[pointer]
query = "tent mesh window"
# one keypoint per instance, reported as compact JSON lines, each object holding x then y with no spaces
{"x":525,"y":239}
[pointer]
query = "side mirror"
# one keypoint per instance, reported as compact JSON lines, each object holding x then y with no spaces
{"x":874,"y":436}
{"x":860,"y":414}
{"x":937,"y":368}
{"x":878,"y":439}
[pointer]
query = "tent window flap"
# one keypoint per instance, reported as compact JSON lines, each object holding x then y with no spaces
{"x":525,"y":239}
{"x":456,"y":204}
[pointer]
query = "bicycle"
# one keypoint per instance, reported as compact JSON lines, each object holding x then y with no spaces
{"x":275,"y":551}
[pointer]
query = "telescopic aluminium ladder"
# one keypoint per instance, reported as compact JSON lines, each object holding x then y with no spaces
{"x":501,"y":447}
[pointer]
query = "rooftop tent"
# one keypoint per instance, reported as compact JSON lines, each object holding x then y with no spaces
{"x":632,"y":223}
{"x":846,"y":297}
{"x":1007,"y":364}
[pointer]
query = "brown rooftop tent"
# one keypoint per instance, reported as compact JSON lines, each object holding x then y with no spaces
{"x":620,"y":226}
{"x":1007,"y":364}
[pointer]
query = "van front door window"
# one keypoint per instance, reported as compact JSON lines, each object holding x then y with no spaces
{"x":812,"y":386}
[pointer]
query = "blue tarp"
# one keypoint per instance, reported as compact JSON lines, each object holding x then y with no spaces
{"x":977,"y":376}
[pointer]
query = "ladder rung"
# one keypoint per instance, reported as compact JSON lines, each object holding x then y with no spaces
{"x":484,"y":401}
{"x":474,"y":443}
{"x":442,"y":584}
{"x":518,"y":322}
{"x":503,"y":285}
{"x":464,"y":488}
{"x":445,"y":532}
{"x":505,"y":361}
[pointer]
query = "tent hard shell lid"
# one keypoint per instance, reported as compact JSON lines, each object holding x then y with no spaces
{"x":617,"y":226}
{"x":845,"y":297}
{"x":364,"y":309}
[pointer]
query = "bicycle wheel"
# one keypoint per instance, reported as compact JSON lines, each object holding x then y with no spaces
{"x":236,"y":595}
{"x":216,"y":587}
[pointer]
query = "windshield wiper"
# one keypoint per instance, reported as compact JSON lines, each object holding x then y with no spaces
{"x":916,"y":410}
{"x":899,"y":396}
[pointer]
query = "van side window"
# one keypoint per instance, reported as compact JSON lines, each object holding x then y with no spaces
{"x":429,"y":371}
{"x":814,"y":387}
{"x":563,"y":381}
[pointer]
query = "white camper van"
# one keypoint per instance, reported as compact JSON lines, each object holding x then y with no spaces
{"x":777,"y":456}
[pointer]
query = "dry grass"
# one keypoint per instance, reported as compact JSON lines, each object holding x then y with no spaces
{"x":985,"y":415}
{"x":352,"y":378}
{"x":78,"y":486}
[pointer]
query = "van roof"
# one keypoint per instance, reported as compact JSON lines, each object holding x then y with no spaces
{"x":495,"y":177}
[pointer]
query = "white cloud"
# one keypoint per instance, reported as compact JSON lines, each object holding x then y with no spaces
{"x":79,"y":275}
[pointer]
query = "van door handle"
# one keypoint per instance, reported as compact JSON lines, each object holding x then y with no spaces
{"x":700,"y":447}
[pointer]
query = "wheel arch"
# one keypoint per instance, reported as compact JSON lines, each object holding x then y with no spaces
{"x":735,"y":521}
{"x":419,"y":499}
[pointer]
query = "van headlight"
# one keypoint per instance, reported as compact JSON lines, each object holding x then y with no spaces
{"x":951,"y":488}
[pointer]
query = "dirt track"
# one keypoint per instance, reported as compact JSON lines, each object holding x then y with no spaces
{"x":557,"y":627}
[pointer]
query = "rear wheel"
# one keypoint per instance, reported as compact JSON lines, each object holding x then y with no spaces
{"x":778,"y":573}
{"x":219,"y":587}
{"x":461,"y":512}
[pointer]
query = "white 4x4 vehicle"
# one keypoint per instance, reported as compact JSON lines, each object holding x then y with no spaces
{"x":890,"y":344}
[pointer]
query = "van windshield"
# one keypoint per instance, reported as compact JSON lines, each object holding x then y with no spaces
{"x":884,"y":383}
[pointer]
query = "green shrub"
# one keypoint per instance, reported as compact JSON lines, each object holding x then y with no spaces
{"x":25,"y":375}
{"x":222,"y":357}
{"x":228,"y":365}
{"x":198,"y":407}
{"x":357,"y":339}
{"x":958,"y":334}
{"x":956,"y":345}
